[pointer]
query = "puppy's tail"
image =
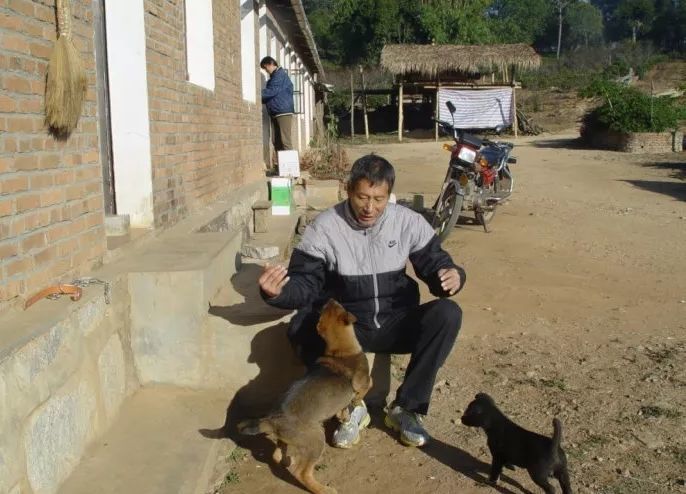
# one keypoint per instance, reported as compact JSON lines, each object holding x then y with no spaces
{"x":253,"y":427}
{"x":557,"y":433}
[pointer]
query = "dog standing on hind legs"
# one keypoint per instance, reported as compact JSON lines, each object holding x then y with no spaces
{"x":512,"y":445}
{"x":325,"y":391}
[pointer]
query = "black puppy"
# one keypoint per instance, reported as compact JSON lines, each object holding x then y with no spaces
{"x":511,"y":444}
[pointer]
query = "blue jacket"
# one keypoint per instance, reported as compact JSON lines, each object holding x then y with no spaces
{"x":278,"y":94}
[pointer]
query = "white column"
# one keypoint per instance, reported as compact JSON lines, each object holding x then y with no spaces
{"x":129,"y":115}
{"x":263,"y":30}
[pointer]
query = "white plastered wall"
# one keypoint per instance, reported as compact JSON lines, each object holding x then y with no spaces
{"x":130,"y":120}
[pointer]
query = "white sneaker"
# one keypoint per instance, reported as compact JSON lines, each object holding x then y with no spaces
{"x":409,"y":424}
{"x":348,"y":433}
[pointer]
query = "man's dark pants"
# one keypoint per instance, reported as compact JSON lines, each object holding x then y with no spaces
{"x":283,"y":128}
{"x":427,"y":332}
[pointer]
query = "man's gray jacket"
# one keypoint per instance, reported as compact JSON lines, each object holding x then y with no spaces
{"x":364,"y":268}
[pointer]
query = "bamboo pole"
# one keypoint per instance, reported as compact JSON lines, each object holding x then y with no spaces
{"x":400,"y":111}
{"x":352,"y":106}
{"x":364,"y":105}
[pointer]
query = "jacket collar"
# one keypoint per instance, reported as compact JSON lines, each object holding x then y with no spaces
{"x":346,"y":212}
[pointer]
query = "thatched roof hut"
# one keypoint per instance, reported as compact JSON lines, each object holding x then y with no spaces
{"x":429,"y":61}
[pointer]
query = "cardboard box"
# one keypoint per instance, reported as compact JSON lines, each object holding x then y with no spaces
{"x":289,"y":163}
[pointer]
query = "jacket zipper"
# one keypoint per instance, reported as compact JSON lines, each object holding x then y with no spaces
{"x":376,"y":282}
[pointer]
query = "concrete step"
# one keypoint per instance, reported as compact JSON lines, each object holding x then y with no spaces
{"x":276,"y":243}
{"x":162,"y":442}
{"x":171,"y":282}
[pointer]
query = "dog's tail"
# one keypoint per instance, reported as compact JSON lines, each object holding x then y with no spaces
{"x":557,"y":433}
{"x":253,"y":427}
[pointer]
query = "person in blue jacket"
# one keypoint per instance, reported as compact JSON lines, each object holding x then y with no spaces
{"x":278,"y":98}
{"x":357,"y":253}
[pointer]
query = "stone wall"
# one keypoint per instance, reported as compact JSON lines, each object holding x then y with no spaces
{"x":51,"y":198}
{"x":637,"y":142}
{"x":61,"y":385}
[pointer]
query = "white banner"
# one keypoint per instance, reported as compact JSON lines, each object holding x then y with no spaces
{"x":477,"y":108}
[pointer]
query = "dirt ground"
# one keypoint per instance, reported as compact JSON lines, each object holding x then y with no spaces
{"x":575,"y":307}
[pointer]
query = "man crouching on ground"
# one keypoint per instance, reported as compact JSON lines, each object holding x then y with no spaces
{"x":356,"y":253}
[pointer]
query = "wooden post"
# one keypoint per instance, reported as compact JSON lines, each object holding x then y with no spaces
{"x":364,"y":105}
{"x":352,"y":105}
{"x":515,"y":122}
{"x":438,"y":108}
{"x":400,"y":111}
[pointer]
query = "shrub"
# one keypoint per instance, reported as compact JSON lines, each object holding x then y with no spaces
{"x":626,"y":109}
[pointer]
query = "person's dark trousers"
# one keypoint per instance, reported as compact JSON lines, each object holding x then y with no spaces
{"x":427,"y":332}
{"x":283,"y":140}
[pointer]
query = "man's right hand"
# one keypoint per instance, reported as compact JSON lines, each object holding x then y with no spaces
{"x":273,"y":279}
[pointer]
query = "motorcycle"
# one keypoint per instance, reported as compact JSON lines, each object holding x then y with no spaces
{"x":478,"y":178}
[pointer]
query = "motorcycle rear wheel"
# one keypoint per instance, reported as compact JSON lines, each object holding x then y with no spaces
{"x":447,"y":212}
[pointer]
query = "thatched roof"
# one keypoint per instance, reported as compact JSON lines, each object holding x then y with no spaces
{"x":431,"y":60}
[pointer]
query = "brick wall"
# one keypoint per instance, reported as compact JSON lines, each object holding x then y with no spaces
{"x":204,"y":143}
{"x":51,"y":201}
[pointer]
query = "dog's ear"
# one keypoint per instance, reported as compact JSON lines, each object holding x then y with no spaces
{"x":349,"y":318}
{"x":484,"y":397}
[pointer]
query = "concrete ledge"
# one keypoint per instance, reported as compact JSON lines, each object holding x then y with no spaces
{"x":322,"y":194}
{"x":63,"y":375}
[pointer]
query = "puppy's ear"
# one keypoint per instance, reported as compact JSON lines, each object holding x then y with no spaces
{"x":349,"y":318}
{"x":484,"y":397}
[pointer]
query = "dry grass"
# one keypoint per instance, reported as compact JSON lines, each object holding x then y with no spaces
{"x":431,"y":60}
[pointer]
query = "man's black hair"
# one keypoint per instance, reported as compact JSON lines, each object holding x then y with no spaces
{"x":373,"y":168}
{"x":267,"y":61}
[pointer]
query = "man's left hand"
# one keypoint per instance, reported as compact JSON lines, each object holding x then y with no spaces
{"x":450,"y":280}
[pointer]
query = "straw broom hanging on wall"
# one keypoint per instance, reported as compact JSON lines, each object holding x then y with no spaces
{"x":66,"y":83}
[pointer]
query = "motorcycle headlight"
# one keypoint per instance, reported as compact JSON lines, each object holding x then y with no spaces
{"x":467,"y":154}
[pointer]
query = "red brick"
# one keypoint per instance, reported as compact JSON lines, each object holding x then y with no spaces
{"x":30,"y":221}
{"x":49,"y":161}
{"x":16,"y":84}
{"x":22,"y":6}
{"x":42,"y":181}
{"x":67,"y":247}
{"x":51,"y":197}
{"x":10,"y":143}
{"x":26,"y":202}
{"x":17,"y":226}
{"x":17,"y":266}
{"x":7,"y":104}
{"x":13,"y":42}
{"x":8,"y":249}
{"x":19,"y":124}
{"x":40,"y":50}
{"x":30,"y":105}
{"x":10,"y":289}
{"x":46,"y":255}
{"x":64,"y":177}
{"x":26,"y":162}
{"x":34,"y":241}
{"x":13,"y":184}
{"x":6,"y":207}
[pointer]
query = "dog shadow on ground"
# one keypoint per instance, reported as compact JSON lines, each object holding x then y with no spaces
{"x":457,"y":459}
{"x":277,"y":367}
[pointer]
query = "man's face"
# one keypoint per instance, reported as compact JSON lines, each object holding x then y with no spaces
{"x":368,"y":201}
{"x":269,"y":68}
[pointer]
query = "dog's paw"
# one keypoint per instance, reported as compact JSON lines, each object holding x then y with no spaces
{"x":329,"y":490}
{"x":277,"y":456}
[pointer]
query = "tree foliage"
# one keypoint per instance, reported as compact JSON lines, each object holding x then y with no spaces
{"x":350,"y":32}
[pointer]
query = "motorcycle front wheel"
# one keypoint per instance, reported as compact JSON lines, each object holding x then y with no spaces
{"x":446,"y":213}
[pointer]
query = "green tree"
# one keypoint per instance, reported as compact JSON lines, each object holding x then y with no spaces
{"x":520,"y":21}
{"x":560,"y":6}
{"x":585,"y":24}
{"x":637,"y":15}
{"x":456,"y":21}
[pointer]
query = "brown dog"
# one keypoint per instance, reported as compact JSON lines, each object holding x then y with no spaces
{"x":324,"y":392}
